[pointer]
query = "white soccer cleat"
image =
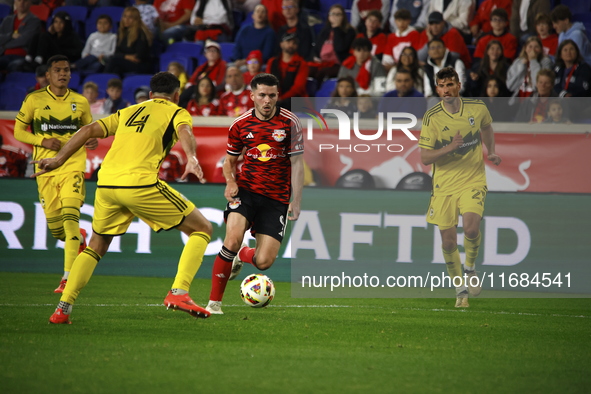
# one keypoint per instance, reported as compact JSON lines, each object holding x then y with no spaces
{"x":462,"y":300}
{"x":237,"y":264}
{"x":474,"y":285}
{"x":214,"y":307}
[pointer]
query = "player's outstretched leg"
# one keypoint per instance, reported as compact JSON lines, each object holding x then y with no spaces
{"x":471,"y":246}
{"x":220,"y":274}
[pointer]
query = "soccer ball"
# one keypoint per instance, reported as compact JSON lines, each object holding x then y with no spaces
{"x":257,"y":290}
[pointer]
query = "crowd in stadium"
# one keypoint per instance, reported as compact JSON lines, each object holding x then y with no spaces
{"x":348,"y":48}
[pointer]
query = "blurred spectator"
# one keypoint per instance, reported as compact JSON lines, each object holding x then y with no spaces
{"x":274,"y":13}
{"x":493,"y":63}
{"x":17,"y":33}
{"x":203,"y":101}
{"x":332,"y":45}
{"x":556,"y":113}
{"x":291,"y":12}
{"x":544,"y":28}
{"x":114,"y":101}
{"x":404,"y":89}
{"x":258,"y":35}
{"x":100,"y":45}
{"x":91,"y":92}
{"x":419,"y":10}
{"x":149,"y":15}
{"x":499,"y":22}
{"x":13,"y":161}
{"x":480,"y":24}
{"x":361,"y":8}
{"x":534,"y":109}
{"x":343,"y":97}
{"x":567,"y":30}
{"x":172,"y":168}
{"x":254,"y":65}
{"x":134,"y":41}
{"x":451,"y":37}
{"x":40,"y":77}
{"x":523,"y":17}
{"x":236,"y":101}
{"x":458,"y":13}
{"x":212,"y":20}
{"x":496,"y":97}
{"x":291,"y":69}
{"x":177,"y":69}
{"x":524,"y":70}
{"x":409,"y":60}
{"x":59,"y":39}
{"x":141,"y":94}
{"x":374,"y":33}
{"x":173,"y":18}
{"x":404,"y":36}
{"x":573,"y":75}
{"x":368,"y":72}
{"x":440,"y":57}
{"x":214,"y":68}
{"x":365,"y":107}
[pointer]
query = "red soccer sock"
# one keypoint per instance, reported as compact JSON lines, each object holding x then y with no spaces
{"x":219,"y":278}
{"x":246,"y":255}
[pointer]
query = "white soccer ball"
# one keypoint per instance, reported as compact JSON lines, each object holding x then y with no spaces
{"x":257,"y":290}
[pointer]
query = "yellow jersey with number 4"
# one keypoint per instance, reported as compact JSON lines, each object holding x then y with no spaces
{"x":52,"y":116}
{"x":144,"y":134}
{"x":464,"y":167}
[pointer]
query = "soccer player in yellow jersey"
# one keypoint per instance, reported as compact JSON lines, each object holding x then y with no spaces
{"x":54,"y":114}
{"x":451,"y":139}
{"x":128,"y":186}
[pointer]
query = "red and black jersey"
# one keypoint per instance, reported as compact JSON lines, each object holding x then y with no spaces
{"x":234,"y":105}
{"x":268,"y":146}
{"x":13,"y":162}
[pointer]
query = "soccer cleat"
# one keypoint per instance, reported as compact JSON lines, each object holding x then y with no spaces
{"x":473,"y":290}
{"x":83,"y":244}
{"x":185,"y":303}
{"x":61,"y":287}
{"x":462,"y":300}
{"x":59,"y":317}
{"x":214,"y":307}
{"x":237,"y":264}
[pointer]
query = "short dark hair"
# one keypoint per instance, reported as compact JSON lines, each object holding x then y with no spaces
{"x":403,"y":14}
{"x":264,"y":79}
{"x":447,"y":73}
{"x":501,"y":13}
{"x":436,"y":40}
{"x":546,"y":72}
{"x":362,"y":43}
{"x":558,"y":55}
{"x":105,"y":16}
{"x":55,"y":59}
{"x":403,"y":70}
{"x":375,"y":13}
{"x":543,"y":18}
{"x":560,"y":13}
{"x":115,"y":83}
{"x":165,"y":83}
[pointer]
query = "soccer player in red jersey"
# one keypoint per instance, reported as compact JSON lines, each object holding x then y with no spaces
{"x":259,"y":196}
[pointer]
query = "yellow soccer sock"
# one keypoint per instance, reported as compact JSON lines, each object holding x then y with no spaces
{"x":71,"y":219}
{"x":191,"y":260}
{"x":471,"y":247}
{"x":454,"y":267}
{"x":56,"y":225}
{"x":80,"y":274}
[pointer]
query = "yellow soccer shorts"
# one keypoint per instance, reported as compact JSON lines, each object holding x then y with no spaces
{"x":160,"y":206}
{"x":55,"y":188}
{"x":444,"y":210}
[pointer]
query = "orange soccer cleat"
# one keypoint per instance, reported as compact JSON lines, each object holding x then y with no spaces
{"x":59,"y":317}
{"x":185,"y":303}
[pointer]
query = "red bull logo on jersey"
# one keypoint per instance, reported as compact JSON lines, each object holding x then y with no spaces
{"x":279,"y":135}
{"x":264,"y":152}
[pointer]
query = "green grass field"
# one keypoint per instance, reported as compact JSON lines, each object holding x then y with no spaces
{"x":123,"y":341}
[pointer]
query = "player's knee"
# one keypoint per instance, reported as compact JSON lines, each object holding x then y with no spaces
{"x":449,"y":245}
{"x":471,"y":233}
{"x":264,"y":262}
{"x":206,"y":228}
{"x":232,"y":244}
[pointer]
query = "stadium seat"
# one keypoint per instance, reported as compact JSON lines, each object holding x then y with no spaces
{"x":577,"y":6}
{"x":311,"y":87}
{"x":188,"y":62}
{"x":101,"y":80}
{"x":326,"y":4}
{"x":327,"y":88}
{"x":227,"y":49}
{"x":75,"y":82}
{"x":191,"y":49}
{"x":14,"y":100}
{"x":114,"y":12}
{"x":131,"y":83}
{"x":5,"y":10}
{"x":78,"y":14}
{"x":22,"y":79}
